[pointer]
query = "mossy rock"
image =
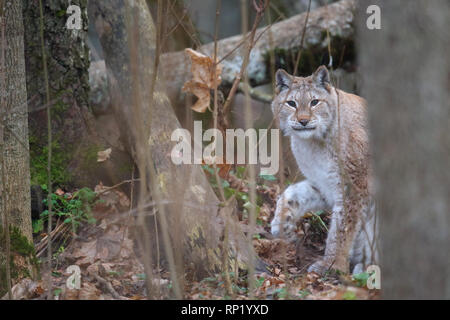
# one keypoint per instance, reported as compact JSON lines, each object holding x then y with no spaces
{"x":342,"y":51}
{"x":23,"y":261}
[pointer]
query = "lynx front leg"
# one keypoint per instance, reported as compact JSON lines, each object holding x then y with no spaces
{"x":295,"y":201}
{"x":341,"y":235}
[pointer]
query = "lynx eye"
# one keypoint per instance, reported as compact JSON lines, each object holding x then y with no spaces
{"x":291,"y":103}
{"x":314,"y":102}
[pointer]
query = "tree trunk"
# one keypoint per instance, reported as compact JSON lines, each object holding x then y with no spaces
{"x":405,"y":70}
{"x":128,"y":38}
{"x":15,"y":178}
{"x":78,"y":133}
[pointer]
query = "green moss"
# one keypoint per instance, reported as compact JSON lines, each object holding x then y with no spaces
{"x":58,"y":109}
{"x":68,"y":62}
{"x":38,"y":163}
{"x":89,"y":161}
{"x":20,"y":245}
{"x":61,"y":13}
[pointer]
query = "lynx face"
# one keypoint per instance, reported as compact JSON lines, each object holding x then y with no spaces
{"x":307,"y":106}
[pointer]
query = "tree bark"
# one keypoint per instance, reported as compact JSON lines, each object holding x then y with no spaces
{"x":337,"y":18}
{"x":405,"y":70}
{"x":128,"y":38}
{"x":15,"y":178}
{"x":78,"y":131}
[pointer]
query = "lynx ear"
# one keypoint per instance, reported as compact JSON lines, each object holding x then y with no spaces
{"x":283,"y":80}
{"x":321,"y":76}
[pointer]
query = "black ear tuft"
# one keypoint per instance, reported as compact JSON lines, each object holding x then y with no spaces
{"x":321,"y":76}
{"x":282,"y":80}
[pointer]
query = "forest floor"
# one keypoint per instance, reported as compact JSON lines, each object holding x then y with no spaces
{"x":111,"y":269}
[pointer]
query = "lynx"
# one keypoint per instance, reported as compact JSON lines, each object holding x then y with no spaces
{"x":329,"y":139}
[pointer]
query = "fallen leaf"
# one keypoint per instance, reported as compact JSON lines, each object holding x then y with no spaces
{"x":89,"y":292}
{"x":103,"y":155}
{"x":71,"y":294}
{"x":224,"y":168}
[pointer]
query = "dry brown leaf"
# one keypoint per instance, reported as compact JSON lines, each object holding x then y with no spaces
{"x":204,"y":79}
{"x":224,"y":168}
{"x":104,"y":155}
{"x":86,"y":254}
{"x":89,"y":292}
{"x":70,"y":294}
{"x":93,"y":268}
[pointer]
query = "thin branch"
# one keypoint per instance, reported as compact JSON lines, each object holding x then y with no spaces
{"x":108,"y":286}
{"x":116,"y":186}
{"x":49,"y":154}
{"x":245,"y":60}
{"x":297,"y":61}
{"x":245,"y":39}
{"x":259,"y":8}
{"x":190,"y":33}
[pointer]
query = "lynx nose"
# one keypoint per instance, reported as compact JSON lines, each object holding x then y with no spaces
{"x":303,"y":122}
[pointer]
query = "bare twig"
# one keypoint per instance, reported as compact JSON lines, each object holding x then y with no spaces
{"x":145,"y":162}
{"x":246,"y":58}
{"x":127,"y":224}
{"x":116,"y":186}
{"x":59,"y":230}
{"x":297,"y":60}
{"x":190,"y":33}
{"x":49,"y":154}
{"x":248,"y":121}
{"x":107,"y":285}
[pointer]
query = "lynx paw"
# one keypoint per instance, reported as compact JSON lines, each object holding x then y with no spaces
{"x":284,"y":227}
{"x":284,"y":223}
{"x":295,"y":201}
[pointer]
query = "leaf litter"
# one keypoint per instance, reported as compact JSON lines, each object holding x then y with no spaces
{"x":110,"y":268}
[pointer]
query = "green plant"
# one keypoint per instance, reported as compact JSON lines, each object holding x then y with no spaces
{"x":349,"y":295}
{"x":60,"y":250}
{"x":74,"y":209}
{"x":281,"y":293}
{"x":268,"y":177}
{"x":260,"y":281}
{"x":243,"y":198}
{"x":361,"y":278}
{"x":57,"y":292}
{"x":38,"y":225}
{"x":316,"y":219}
{"x":304,"y":293}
